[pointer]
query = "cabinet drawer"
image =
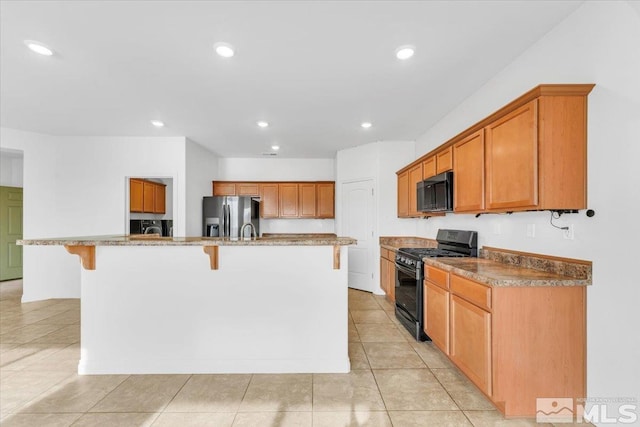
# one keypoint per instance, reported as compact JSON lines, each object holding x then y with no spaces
{"x":473,"y":292}
{"x":437,"y":276}
{"x":388,"y":254}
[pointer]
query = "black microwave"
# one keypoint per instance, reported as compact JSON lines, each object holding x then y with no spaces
{"x":435,"y":194}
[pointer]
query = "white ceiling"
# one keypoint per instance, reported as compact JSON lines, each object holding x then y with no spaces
{"x":314,"y":70}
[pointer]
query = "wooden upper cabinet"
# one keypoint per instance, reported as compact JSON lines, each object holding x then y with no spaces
{"x":512,"y":160}
{"x":429,"y":167}
{"x":159,"y":203}
{"x":224,"y":189}
{"x":444,"y":160}
{"x":325,"y":193}
{"x":468,"y":174}
{"x":248,"y":189}
{"x":136,"y":195}
{"x":149,"y":196}
{"x":269,"y":200}
{"x":289,"y":197}
{"x":307,"y":200}
{"x":403,"y":194}
{"x":562,"y":148}
{"x":529,"y":155}
{"x":415,"y":176}
{"x":146,"y":196}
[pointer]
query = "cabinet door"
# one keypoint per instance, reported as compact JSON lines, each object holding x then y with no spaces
{"x":384,"y":275}
{"x":224,"y":189}
{"x":391,"y":281}
{"x":269,"y":200}
{"x":160,"y":199}
{"x":148,"y":196}
{"x":512,"y":160}
{"x":468,"y":174}
{"x":247,"y":189}
{"x":470,"y":345}
{"x":325,"y":194}
{"x":307,"y":199}
{"x":135,"y":195}
{"x":429,"y":167}
{"x":415,"y":176}
{"x":288,"y":206}
{"x":444,"y":160}
{"x":436,"y":318}
{"x":403,"y":194}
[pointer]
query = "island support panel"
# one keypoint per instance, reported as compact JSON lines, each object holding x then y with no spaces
{"x":163,"y":310}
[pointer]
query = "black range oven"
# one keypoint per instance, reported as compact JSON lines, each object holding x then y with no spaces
{"x":410,"y":275}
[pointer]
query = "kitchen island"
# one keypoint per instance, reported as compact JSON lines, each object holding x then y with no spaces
{"x":211,"y":305}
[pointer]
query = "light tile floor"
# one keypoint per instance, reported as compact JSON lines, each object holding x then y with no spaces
{"x":394,"y":381}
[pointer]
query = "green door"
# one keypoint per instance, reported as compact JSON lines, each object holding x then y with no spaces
{"x":10,"y":231}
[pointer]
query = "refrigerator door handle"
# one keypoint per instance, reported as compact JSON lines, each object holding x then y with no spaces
{"x":227,"y":221}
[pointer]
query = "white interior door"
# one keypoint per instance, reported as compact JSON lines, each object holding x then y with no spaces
{"x":357,"y":222}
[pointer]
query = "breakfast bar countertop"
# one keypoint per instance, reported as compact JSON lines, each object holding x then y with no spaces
{"x":155,"y":240}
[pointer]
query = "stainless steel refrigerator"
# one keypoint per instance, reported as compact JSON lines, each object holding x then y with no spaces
{"x":224,"y":216}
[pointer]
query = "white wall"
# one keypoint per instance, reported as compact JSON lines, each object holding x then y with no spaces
{"x":201,"y":170}
{"x":377,"y":161}
{"x":270,"y":169}
{"x":77,"y":186}
{"x":11,"y":168}
{"x":599,"y":43}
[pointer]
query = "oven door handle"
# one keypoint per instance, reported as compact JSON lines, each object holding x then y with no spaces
{"x":410,"y":271}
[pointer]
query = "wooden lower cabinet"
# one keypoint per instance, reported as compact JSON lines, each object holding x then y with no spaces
{"x":436,"y":322}
{"x":471,"y":342}
{"x":388,"y":273}
{"x":515,"y":343}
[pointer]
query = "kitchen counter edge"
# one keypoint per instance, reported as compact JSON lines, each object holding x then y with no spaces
{"x":187,"y":241}
{"x":501,"y":279}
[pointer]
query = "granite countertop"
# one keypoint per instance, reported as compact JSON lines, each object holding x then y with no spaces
{"x":394,"y":243}
{"x":155,"y":240}
{"x":502,"y":267}
{"x":494,"y":273}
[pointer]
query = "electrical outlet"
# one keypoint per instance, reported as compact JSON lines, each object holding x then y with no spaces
{"x":568,"y":233}
{"x":497,"y":228}
{"x":531,"y":230}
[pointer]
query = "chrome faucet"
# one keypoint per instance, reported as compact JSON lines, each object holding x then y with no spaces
{"x":252,"y":231}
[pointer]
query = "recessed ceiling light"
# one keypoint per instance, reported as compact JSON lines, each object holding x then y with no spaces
{"x":224,"y":49}
{"x":405,"y":52}
{"x":157,"y":123}
{"x":38,"y":47}
{"x":366,"y":125}
{"x":262,"y":124}
{"x":275,"y":147}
